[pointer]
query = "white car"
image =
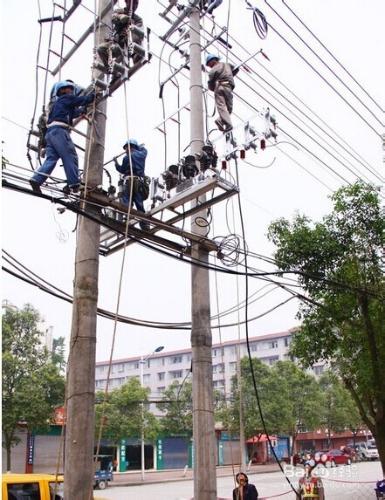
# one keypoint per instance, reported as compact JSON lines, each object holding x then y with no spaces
{"x":368,"y":451}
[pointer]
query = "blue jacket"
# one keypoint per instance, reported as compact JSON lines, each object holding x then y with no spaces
{"x":63,"y":109}
{"x":138,"y":159}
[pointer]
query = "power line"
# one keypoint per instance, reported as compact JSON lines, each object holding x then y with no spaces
{"x":332,"y":55}
{"x":325,"y":80}
{"x":325,"y":64}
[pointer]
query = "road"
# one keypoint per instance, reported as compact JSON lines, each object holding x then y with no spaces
{"x":355,"y":482}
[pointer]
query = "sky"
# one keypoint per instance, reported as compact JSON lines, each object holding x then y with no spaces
{"x":279,"y":182}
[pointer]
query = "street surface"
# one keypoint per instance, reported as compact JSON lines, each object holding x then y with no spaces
{"x":355,"y":482}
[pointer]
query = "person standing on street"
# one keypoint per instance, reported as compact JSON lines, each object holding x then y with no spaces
{"x":244,"y":490}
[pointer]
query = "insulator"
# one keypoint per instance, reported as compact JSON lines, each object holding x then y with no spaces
{"x":263,"y":144}
{"x":174,"y":169}
{"x":118,"y":68}
{"x":102,"y":85}
{"x":224,"y":165}
{"x":189,"y":168}
{"x":134,"y":48}
{"x":99,"y":66}
{"x":137,"y":31}
{"x":242,"y":154}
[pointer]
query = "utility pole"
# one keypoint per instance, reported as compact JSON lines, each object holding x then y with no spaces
{"x":201,"y":340}
{"x":79,"y":444}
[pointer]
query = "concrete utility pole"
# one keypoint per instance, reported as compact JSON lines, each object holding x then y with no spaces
{"x":79,"y":444}
{"x":201,"y":340}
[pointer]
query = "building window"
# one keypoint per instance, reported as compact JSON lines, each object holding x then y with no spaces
{"x":146,"y":378}
{"x":218,"y":384}
{"x":176,"y":359}
{"x":233,"y":367}
{"x":220,"y":368}
{"x":120,"y":367}
{"x":218,"y":352}
{"x":287,"y":341}
{"x":176,"y":374}
{"x":161,"y":376}
{"x":253,"y":347}
{"x":273,"y":344}
{"x":161,"y":389}
{"x":136,"y":365}
{"x":270,"y":360}
{"x":100,"y":369}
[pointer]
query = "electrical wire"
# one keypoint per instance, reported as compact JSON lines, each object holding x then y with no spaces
{"x":333,"y":56}
{"x":257,"y":396}
{"x":325,"y":64}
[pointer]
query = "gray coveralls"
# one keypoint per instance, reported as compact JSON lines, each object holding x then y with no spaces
{"x":221,"y":82}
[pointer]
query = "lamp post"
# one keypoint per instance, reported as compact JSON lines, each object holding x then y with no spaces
{"x":142,"y":361}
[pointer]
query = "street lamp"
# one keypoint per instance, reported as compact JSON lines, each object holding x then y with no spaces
{"x":142,"y":361}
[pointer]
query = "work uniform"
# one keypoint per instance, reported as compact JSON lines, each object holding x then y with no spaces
{"x":58,"y":140}
{"x":138,"y":160}
{"x":221,"y":82}
{"x":246,"y":492}
{"x":118,"y":42}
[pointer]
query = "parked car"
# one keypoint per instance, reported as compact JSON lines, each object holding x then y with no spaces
{"x":332,"y":458}
{"x":367,"y":451}
{"x":36,"y":486}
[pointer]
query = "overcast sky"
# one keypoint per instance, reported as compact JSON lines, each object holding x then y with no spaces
{"x":156,"y":287}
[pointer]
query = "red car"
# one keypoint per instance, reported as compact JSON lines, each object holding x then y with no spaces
{"x":332,"y":458}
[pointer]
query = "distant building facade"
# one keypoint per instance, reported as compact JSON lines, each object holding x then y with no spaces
{"x":163,"y":368}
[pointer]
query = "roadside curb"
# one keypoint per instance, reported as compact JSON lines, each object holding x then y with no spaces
{"x":178,"y":479}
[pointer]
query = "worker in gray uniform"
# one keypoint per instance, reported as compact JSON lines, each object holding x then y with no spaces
{"x":221,"y":82}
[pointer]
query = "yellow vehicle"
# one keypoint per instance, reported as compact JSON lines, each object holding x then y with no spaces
{"x":32,"y":487}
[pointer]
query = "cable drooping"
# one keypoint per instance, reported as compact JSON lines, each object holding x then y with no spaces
{"x":259,"y":20}
{"x":248,"y":342}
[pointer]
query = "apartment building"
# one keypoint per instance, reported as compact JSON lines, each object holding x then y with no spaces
{"x":162,"y":368}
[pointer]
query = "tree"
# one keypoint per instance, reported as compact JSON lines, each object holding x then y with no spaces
{"x":122,"y":412}
{"x":339,"y":263}
{"x":177,"y":409}
{"x":339,"y":411}
{"x":32,"y":385}
{"x":58,"y":356}
{"x":302,"y":395}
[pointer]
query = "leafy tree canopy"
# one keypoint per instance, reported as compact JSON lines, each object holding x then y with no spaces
{"x":341,"y":267}
{"x":31,"y":385}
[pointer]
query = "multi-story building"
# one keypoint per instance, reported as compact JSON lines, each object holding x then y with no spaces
{"x":162,"y":368}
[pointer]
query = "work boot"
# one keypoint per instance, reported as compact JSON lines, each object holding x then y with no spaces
{"x":35,"y":186}
{"x":144,"y":226}
{"x":218,"y":123}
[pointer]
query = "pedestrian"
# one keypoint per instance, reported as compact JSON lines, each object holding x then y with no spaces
{"x":221,"y":82}
{"x":132,"y":169}
{"x":244,"y":490}
{"x":58,"y":140}
{"x":117,"y":43}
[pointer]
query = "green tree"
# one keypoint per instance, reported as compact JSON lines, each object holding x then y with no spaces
{"x":339,"y":411}
{"x":177,"y":409}
{"x":32,"y":385}
{"x":302,"y":396}
{"x":339,"y":262}
{"x":123,"y":413}
{"x":58,"y":352}
{"x":274,"y":412}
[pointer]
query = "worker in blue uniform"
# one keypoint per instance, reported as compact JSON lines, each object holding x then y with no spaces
{"x":132,"y":167}
{"x":58,"y":139}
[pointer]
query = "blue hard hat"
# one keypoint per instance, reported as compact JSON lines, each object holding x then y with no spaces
{"x":62,"y":85}
{"x":210,"y":57}
{"x":131,"y":142}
